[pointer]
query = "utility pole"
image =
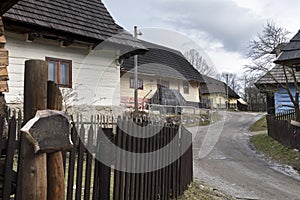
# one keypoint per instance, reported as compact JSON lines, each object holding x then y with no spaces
{"x":136,"y":86}
{"x":227,"y":105}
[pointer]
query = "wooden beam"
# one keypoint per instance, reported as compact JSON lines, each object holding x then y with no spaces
{"x":3,"y":86}
{"x":3,"y":57}
{"x":5,"y":5}
{"x":3,"y":74}
{"x":55,"y":168}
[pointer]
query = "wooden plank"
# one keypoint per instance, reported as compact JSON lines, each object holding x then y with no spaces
{"x":35,"y":95}
{"x":9,"y":173}
{"x":122,"y":161}
{"x":151,"y":162}
{"x":18,"y":195}
{"x":117,"y":173}
{"x":104,"y":170}
{"x":96,"y":185}
{"x":142,"y":164}
{"x":163,"y":185}
{"x":138,"y":167}
{"x":80,"y":165}
{"x":128,"y":146}
{"x":72,"y":160}
{"x":173,"y":169}
{"x":132,"y":148}
{"x":146,"y":165}
{"x":89,"y":160}
{"x":168,"y":156}
{"x":3,"y":56}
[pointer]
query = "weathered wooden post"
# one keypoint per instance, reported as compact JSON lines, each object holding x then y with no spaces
{"x":55,"y":168}
{"x":34,"y":179}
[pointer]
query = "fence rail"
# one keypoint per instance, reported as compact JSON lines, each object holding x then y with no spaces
{"x":88,"y":178}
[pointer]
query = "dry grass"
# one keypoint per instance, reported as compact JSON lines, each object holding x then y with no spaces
{"x":276,"y":151}
{"x":200,"y":191}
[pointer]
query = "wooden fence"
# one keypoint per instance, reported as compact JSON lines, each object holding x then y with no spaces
{"x":87,"y":178}
{"x":283,"y":132}
{"x":287,"y":115}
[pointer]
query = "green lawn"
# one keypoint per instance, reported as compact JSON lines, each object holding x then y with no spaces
{"x":276,"y":151}
{"x":259,"y":125}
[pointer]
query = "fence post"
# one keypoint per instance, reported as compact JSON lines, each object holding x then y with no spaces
{"x":55,"y":168}
{"x":34,"y":176}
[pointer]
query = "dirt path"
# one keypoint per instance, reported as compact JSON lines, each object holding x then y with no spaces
{"x":232,"y":167}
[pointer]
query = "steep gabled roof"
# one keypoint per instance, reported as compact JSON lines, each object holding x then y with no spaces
{"x":290,"y":54}
{"x":88,"y":19}
{"x":164,"y":62}
{"x":276,"y":75}
{"x":214,"y":86}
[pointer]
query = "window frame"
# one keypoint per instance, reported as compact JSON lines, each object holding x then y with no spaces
{"x":186,"y":87}
{"x":59,"y":61}
{"x":140,"y":83}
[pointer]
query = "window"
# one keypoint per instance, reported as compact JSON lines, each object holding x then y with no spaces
{"x":140,"y":83}
{"x":186,"y":87}
{"x":60,"y":71}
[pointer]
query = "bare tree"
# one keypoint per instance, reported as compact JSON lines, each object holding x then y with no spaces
{"x":251,"y":92}
{"x":197,"y":60}
{"x":264,"y":50}
{"x":233,"y":80}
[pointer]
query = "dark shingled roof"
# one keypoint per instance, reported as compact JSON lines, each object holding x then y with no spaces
{"x":290,"y":54}
{"x":213,"y":86}
{"x":164,"y":62}
{"x":276,"y":75}
{"x":85,"y":18}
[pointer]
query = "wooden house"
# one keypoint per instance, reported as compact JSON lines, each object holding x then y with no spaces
{"x":272,"y":82}
{"x":80,"y":41}
{"x":290,"y":53}
{"x":214,"y":94}
{"x":165,"y":77}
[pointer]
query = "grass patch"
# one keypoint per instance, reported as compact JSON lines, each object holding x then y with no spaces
{"x":259,"y":125}
{"x":276,"y":151}
{"x":198,"y":190}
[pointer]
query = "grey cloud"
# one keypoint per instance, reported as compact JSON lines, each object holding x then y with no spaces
{"x":223,"y":20}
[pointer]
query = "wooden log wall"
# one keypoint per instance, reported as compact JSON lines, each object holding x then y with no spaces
{"x":3,"y":60}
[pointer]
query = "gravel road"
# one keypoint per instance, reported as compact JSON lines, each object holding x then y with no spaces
{"x":224,"y":159}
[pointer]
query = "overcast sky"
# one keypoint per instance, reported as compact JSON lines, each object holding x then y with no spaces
{"x":222,"y":28}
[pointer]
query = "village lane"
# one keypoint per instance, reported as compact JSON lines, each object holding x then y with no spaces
{"x":233,"y":167}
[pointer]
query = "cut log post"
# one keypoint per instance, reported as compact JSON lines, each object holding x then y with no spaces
{"x":34,"y":177}
{"x":55,"y":168}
